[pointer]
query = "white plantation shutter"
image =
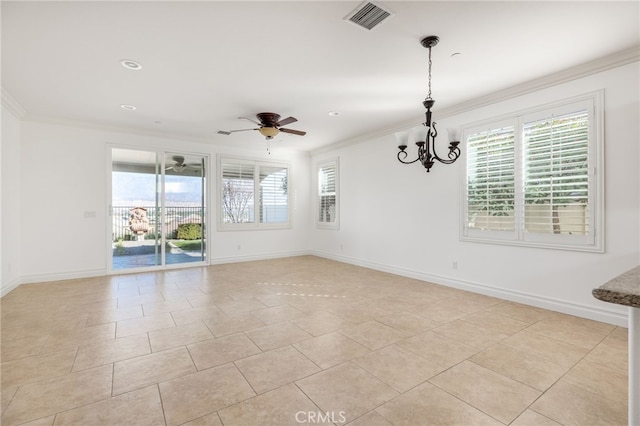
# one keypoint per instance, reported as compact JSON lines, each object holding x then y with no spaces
{"x":273,"y":195}
{"x":535,"y":178}
{"x":253,"y":194}
{"x":327,"y":194}
{"x":556,"y":174}
{"x":238,"y":191}
{"x":491,"y":179}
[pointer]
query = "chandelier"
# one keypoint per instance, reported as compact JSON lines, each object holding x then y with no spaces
{"x":425,"y":135}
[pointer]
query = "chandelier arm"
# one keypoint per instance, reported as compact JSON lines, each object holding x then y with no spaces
{"x":405,"y":156}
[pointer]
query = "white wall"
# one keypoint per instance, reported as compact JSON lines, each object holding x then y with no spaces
{"x":10,"y":208}
{"x":398,"y":218}
{"x":64,"y":175}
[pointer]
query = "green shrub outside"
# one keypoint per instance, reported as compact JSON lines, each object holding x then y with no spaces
{"x":189,"y":231}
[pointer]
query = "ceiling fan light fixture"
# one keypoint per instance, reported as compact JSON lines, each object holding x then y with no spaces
{"x":269,"y":132}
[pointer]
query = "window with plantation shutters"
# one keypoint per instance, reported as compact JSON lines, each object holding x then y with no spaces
{"x":327,"y":195}
{"x":556,"y":174}
{"x":535,"y":178}
{"x":491,"y":179}
{"x":253,"y":194}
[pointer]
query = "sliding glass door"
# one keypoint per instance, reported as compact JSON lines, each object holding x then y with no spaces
{"x":158,"y":209}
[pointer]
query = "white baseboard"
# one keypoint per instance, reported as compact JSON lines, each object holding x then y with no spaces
{"x":28,"y":279}
{"x":9,"y":287}
{"x":563,"y":306}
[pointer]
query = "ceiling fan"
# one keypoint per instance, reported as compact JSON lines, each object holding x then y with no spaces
{"x":179,"y":165}
{"x":270,"y":125}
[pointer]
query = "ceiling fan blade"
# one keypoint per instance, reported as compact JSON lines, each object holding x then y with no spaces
{"x":293,"y":132}
{"x":251,"y":120}
{"x":225,"y":132}
{"x":286,"y":121}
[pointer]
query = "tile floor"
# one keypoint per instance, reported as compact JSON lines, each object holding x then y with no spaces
{"x":299,"y":341}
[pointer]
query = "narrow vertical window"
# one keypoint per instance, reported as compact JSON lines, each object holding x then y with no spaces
{"x":327,"y":195}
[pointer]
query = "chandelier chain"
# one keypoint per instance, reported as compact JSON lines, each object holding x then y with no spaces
{"x":429,"y":95}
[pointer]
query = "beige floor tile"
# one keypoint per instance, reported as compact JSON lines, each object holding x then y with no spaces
{"x":398,"y":367}
{"x":45,"y":421}
{"x":40,"y":399}
{"x":576,"y":331}
{"x":573,"y":405}
{"x":277,"y":314}
{"x":273,"y":369}
{"x":6,"y":395}
{"x":439,"y":313}
{"x":243,"y":306}
{"x":189,"y":397}
{"x":225,"y":325}
{"x":331,"y":349}
{"x":139,"y":372}
{"x":321,"y":323}
{"x":181,"y":335}
{"x":496,"y":322}
{"x":162,"y":306}
{"x":523,"y":366}
{"x":428,"y":405}
{"x":525,"y":313}
{"x":373,"y":334}
{"x":277,"y":335}
{"x":277,"y":407}
{"x":469,"y":302}
{"x":211,"y":419}
{"x":106,"y":352}
{"x":559,"y":352}
{"x":22,"y":347}
{"x":33,"y":369}
{"x":598,"y":379}
{"x":214,"y":352}
{"x":440,"y":350}
{"x":613,"y":352}
{"x":408,"y":323}
{"x":346,"y":388}
{"x":114,"y":314}
{"x":531,"y":418}
{"x":71,"y":339}
{"x":494,"y":394}
{"x":198,"y":314}
{"x":357,"y":313}
{"x":130,"y":327}
{"x":372,"y":418}
{"x":470,"y":334}
{"x":140,"y":408}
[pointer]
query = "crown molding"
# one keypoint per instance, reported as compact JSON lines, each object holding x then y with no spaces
{"x":12,"y":105}
{"x":615,"y":60}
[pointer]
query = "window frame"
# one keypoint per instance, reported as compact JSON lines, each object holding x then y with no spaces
{"x":594,"y":240}
{"x":256,"y":224}
{"x":335,"y":162}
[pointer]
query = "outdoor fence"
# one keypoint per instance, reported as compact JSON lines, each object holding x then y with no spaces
{"x":173,"y":217}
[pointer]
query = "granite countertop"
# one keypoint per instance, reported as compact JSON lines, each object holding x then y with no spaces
{"x":623,"y":289}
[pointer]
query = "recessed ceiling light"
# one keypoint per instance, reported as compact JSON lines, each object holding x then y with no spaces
{"x":129,"y":64}
{"x":334,"y":113}
{"x":456,"y":54}
{"x":128,"y":107}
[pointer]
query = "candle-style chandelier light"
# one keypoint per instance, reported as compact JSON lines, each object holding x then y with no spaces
{"x":425,"y":135}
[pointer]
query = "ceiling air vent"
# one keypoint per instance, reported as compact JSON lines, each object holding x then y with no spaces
{"x":368,"y":15}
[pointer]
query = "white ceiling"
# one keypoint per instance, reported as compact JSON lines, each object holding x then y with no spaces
{"x":207,"y":63}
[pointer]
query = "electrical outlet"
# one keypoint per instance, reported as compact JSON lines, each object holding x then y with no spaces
{"x":454,"y":265}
